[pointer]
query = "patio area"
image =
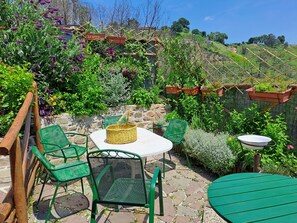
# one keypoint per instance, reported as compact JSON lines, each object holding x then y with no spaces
{"x":184,"y":192}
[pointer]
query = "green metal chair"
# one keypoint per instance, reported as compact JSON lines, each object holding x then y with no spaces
{"x":54,"y":139}
{"x":118,"y":178}
{"x":175,"y":132}
{"x":111,"y":120}
{"x":61,"y":173}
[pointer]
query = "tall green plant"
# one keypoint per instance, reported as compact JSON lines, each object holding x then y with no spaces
{"x":181,"y":62}
{"x":15,"y":82}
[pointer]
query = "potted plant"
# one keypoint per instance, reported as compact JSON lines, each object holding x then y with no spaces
{"x":214,"y":88}
{"x":95,"y":36}
{"x":270,"y":92}
{"x":172,"y":89}
{"x":116,"y":39}
{"x":191,"y":87}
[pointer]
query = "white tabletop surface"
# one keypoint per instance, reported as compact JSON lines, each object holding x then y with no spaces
{"x":147,"y":143}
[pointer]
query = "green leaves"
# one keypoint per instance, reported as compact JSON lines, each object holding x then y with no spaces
{"x":15,"y":82}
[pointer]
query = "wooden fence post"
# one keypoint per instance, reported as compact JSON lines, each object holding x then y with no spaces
{"x":19,"y":194}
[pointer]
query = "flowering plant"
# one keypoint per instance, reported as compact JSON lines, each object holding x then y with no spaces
{"x":33,"y":37}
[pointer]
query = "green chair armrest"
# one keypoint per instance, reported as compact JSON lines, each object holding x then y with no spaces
{"x":157,"y":175}
{"x":102,"y":173}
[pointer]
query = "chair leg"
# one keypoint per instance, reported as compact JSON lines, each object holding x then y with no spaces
{"x":82,"y":185}
{"x":45,"y":180}
{"x":160,"y":195}
{"x":94,"y":212}
{"x":169,"y":155}
{"x":189,"y":164}
{"x":52,"y":202}
{"x":152,"y":208}
{"x":164,"y":166}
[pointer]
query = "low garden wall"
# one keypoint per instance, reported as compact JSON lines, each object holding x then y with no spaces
{"x":143,"y":117}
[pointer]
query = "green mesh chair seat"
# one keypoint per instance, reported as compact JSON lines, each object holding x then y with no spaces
{"x":127,"y":191}
{"x":56,"y":143}
{"x":118,"y":178}
{"x":111,"y":120}
{"x":60,"y":173}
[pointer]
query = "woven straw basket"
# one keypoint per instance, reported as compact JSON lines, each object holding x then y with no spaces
{"x":121,"y":133}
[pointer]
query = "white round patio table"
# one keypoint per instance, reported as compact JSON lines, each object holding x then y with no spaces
{"x":147,"y":143}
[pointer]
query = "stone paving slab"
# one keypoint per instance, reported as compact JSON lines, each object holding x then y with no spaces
{"x":184,"y":194}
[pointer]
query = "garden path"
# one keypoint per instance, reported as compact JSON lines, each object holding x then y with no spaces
{"x":185,"y":198}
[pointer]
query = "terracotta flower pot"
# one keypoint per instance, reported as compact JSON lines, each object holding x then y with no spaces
{"x":95,"y":36}
{"x":172,"y":89}
{"x":191,"y":91}
{"x":116,"y":39}
{"x":273,"y":97}
{"x":206,"y":92}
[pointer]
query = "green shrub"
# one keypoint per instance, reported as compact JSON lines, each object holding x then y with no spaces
{"x":142,"y":97}
{"x":210,"y":116}
{"x":15,"y":82}
{"x":210,"y":150}
{"x":172,"y":115}
{"x":250,"y":120}
{"x":188,"y":107}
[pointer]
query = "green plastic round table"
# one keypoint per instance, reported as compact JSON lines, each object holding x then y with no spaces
{"x":254,"y":197}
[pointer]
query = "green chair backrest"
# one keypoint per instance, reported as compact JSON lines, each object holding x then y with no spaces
{"x":53,"y":134}
{"x":111,"y":120}
{"x":176,"y":130}
{"x":110,"y":168}
{"x":42,"y":158}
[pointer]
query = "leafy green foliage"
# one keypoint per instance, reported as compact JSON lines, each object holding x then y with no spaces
{"x":210,"y":116}
{"x":250,"y":120}
{"x":142,"y":97}
{"x":181,"y":64}
{"x":172,"y":115}
{"x":15,"y":82}
{"x":188,"y":107}
{"x":210,"y":150}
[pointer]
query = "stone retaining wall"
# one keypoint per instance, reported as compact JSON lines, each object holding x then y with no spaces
{"x":87,"y":124}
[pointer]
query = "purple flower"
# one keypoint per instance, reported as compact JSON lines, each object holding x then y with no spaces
{"x":25,"y":17}
{"x":20,"y":41}
{"x":40,"y":20}
{"x":52,"y":56}
{"x":41,"y":2}
{"x":48,"y":46}
{"x":10,"y":20}
{"x":48,"y":1}
{"x":75,"y":68}
{"x":14,"y":28}
{"x":38,"y":26}
{"x":68,"y":60}
{"x":64,"y":46}
{"x":16,"y":15}
{"x":61,"y":38}
{"x":46,"y":16}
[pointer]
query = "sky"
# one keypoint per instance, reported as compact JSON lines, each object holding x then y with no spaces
{"x":239,"y":19}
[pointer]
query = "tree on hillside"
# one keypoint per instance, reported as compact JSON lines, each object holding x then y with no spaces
{"x":281,"y":39}
{"x":218,"y":37}
{"x":195,"y":32}
{"x":181,"y":25}
{"x":268,"y":40}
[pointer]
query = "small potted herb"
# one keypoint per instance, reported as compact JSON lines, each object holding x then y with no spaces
{"x":215,"y":88}
{"x":270,"y":92}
